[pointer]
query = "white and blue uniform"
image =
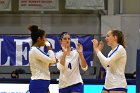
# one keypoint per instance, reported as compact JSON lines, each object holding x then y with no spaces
{"x":39,"y":66}
{"x":39,"y":63}
{"x":69,"y":74}
{"x":115,"y":67}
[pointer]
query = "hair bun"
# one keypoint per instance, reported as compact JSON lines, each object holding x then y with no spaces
{"x":33,"y":28}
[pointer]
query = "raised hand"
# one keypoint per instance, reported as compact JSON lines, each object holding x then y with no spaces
{"x":47,"y":43}
{"x":95,"y":43}
{"x":64,"y":47}
{"x":101,"y":45}
{"x":79,"y":48}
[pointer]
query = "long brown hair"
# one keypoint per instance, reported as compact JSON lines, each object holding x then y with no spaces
{"x":120,"y":37}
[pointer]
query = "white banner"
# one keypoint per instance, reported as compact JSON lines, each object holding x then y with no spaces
{"x":85,"y":4}
{"x":39,"y":5}
{"x":5,"y":5}
{"x":22,"y":88}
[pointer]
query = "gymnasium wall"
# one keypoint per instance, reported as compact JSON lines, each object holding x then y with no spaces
{"x":78,"y":24}
{"x":52,"y":23}
{"x":130,"y":26}
{"x":16,"y":24}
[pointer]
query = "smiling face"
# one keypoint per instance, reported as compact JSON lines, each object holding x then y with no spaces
{"x":110,"y":39}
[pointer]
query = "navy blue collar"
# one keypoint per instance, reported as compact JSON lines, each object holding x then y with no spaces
{"x":114,"y":51}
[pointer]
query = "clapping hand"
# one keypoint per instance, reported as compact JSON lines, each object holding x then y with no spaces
{"x":101,"y":45}
{"x":64,"y":46}
{"x":97,"y":45}
{"x":79,"y":48}
{"x":48,"y":45}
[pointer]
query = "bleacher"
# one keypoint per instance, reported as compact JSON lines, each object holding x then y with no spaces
{"x":5,"y":72}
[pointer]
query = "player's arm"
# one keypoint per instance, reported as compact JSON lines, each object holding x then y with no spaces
{"x":59,"y":61}
{"x":110,"y":61}
{"x":43,"y":56}
{"x":83,"y":62}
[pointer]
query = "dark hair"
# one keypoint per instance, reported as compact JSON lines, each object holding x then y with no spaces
{"x":62,"y":35}
{"x":14,"y":74}
{"x":120,"y":37}
{"x":35,"y":33}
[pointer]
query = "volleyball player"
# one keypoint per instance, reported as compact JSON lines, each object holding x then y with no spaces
{"x":115,"y":81}
{"x":69,"y":59}
{"x":39,"y":62}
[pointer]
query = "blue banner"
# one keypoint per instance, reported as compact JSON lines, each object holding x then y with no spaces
{"x":14,"y":49}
